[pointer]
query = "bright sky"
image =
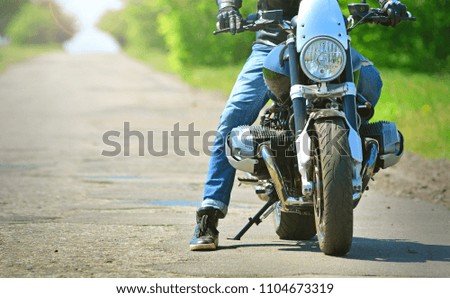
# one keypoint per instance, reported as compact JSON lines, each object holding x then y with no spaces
{"x":87,"y":13}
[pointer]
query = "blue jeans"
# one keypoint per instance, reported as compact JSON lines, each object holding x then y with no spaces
{"x":248,"y":97}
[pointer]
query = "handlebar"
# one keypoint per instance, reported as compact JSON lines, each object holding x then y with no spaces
{"x":262,"y":19}
{"x":256,"y":22}
{"x":247,"y":27}
{"x":362,"y":13}
{"x":376,"y":16}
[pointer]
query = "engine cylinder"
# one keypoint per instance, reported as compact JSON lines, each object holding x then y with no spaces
{"x":244,"y":141}
{"x":389,"y":139}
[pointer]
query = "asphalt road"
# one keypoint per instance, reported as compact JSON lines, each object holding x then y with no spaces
{"x":66,"y":210}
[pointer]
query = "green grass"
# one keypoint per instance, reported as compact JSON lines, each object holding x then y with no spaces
{"x":418,"y":103}
{"x":203,"y":77}
{"x":154,"y":57}
{"x":13,"y":53}
{"x":213,"y":78}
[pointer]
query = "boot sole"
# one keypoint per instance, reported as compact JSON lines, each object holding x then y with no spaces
{"x":209,"y":246}
{"x":204,"y":246}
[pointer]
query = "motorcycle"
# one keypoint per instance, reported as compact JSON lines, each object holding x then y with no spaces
{"x":314,"y":152}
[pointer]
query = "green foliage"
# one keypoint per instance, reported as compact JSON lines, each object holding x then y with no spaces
{"x":136,"y":26}
{"x":418,"y":103}
{"x":421,"y":45}
{"x":142,"y":30}
{"x":14,"y":53}
{"x":187,"y":29}
{"x":115,"y":23}
{"x":184,"y":27}
{"x":8,"y":9}
{"x":37,"y":24}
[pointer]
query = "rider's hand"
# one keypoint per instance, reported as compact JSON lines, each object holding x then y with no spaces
{"x":395,"y":11}
{"x":229,"y":17}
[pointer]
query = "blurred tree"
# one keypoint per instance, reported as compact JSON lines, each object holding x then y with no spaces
{"x":421,"y":45}
{"x":184,"y":28}
{"x":8,"y":9}
{"x":142,"y":30}
{"x":187,"y":30}
{"x":116,"y":24}
{"x":39,"y":23}
{"x":136,"y":25}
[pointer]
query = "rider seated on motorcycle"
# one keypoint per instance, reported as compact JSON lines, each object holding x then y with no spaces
{"x":248,"y":97}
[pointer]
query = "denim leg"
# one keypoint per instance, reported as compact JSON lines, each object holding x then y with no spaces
{"x":248,"y":97}
{"x":370,"y":83}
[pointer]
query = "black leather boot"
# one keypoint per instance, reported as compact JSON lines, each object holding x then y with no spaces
{"x":206,"y":235}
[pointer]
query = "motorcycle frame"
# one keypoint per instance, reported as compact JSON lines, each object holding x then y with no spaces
{"x":302,"y":120}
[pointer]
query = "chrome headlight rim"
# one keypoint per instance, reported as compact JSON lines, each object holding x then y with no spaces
{"x":305,"y":68}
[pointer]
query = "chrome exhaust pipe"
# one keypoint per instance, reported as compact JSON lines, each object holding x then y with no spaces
{"x":275,"y":173}
{"x":369,"y":168}
{"x":371,"y":161}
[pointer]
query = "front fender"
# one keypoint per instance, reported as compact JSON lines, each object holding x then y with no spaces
{"x":353,"y":136}
{"x":303,"y":145}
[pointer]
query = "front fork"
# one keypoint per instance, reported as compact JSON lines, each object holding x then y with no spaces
{"x":349,"y":100}
{"x":350,"y":111}
{"x":298,"y":101}
{"x":302,"y":122}
{"x":305,"y":153}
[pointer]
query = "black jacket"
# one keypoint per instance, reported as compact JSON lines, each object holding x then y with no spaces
{"x":289,"y":6}
{"x":275,"y":35}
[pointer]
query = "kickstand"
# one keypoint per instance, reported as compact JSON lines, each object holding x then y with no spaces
{"x":257,"y":218}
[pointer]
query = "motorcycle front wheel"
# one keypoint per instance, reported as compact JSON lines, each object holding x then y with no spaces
{"x":293,"y":226}
{"x":332,"y":196}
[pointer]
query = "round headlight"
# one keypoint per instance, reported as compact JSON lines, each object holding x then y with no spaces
{"x":323,"y":59}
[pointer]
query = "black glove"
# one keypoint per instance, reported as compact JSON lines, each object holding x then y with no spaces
{"x":394,"y":10}
{"x":229,"y":16}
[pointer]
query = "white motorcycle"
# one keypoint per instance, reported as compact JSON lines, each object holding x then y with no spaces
{"x":313,"y":154}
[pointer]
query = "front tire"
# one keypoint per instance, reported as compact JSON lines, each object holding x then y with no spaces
{"x":333,"y":194}
{"x":294,"y":226}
